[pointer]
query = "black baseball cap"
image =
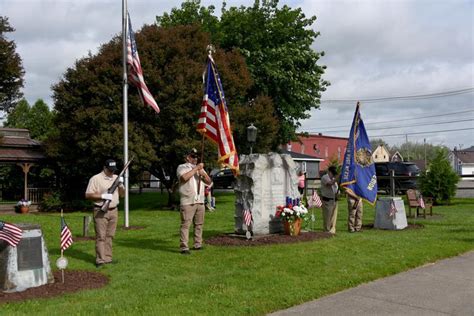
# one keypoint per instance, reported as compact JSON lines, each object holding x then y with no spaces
{"x":110,"y":164}
{"x":193,"y":153}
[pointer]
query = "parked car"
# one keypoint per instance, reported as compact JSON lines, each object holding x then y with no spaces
{"x":222,"y":178}
{"x":407,"y":169}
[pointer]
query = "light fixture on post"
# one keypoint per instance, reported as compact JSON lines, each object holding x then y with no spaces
{"x":251,"y":135}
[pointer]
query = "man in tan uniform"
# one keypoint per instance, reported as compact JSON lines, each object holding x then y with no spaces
{"x":191,"y":192}
{"x":329,"y":190}
{"x":105,"y":222}
{"x":354,"y":206}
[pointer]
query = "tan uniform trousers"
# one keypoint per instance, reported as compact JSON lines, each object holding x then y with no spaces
{"x":354,"y":222}
{"x":105,"y":226}
{"x":329,"y":216}
{"x":193,"y":213}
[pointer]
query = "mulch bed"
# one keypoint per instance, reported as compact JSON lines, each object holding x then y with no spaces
{"x":74,"y":281}
{"x":234,"y":240}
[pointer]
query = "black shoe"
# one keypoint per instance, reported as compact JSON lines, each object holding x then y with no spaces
{"x":112,"y":262}
{"x":99,"y":265}
{"x":197,"y":248}
{"x":352,"y":231}
{"x":185,"y":252}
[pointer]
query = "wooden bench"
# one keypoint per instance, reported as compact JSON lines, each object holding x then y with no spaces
{"x":412,"y":198}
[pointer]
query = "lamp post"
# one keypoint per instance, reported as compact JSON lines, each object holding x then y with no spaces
{"x":251,"y":135}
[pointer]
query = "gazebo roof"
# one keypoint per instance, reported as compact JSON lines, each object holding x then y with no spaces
{"x":16,"y":146}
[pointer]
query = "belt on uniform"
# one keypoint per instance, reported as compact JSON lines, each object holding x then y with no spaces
{"x":327,"y":199}
{"x":99,"y":207}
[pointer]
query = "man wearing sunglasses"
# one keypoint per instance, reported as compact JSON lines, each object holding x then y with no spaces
{"x":191,"y":191}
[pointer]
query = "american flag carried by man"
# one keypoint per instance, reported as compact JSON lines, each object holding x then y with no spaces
{"x":214,"y":122}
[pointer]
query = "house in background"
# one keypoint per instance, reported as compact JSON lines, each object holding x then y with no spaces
{"x":319,"y":146}
{"x":381,"y":154}
{"x":462,"y":161}
{"x":306,"y":163}
{"x":396,"y":157}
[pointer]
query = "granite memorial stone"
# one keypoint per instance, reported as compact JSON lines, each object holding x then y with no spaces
{"x":26,"y":265}
{"x":264,"y":183}
{"x":388,"y":218}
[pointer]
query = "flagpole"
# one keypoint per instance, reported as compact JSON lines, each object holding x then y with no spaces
{"x":125,"y":103}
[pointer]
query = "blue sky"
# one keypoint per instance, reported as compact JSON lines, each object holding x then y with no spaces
{"x":373,"y":49}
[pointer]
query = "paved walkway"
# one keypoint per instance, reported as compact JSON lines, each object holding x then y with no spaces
{"x":445,"y":287}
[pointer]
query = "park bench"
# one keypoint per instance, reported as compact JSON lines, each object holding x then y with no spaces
{"x":413,"y":201}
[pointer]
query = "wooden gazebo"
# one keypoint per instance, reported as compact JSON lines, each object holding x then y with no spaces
{"x":16,"y":147}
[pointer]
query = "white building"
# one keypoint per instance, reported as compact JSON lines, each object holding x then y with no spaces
{"x":462,"y":161}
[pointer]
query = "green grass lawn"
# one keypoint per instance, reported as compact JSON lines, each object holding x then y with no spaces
{"x":152,"y":277}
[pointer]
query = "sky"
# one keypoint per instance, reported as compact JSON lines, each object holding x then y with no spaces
{"x":374,"y":49}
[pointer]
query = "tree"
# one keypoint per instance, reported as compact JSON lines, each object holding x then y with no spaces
{"x":38,"y":119}
{"x":89,"y":112}
{"x":11,"y":69}
{"x":416,"y":151}
{"x":276,"y":43}
{"x":439,"y":180}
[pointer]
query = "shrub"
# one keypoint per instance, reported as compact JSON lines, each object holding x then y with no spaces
{"x":439,"y":180}
{"x":51,"y":202}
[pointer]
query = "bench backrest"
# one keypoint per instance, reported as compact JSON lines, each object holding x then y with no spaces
{"x":411,"y":197}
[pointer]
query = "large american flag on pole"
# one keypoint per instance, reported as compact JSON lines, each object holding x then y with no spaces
{"x":66,"y":235}
{"x":10,"y":233}
{"x":135,"y":73}
{"x":214,"y":120}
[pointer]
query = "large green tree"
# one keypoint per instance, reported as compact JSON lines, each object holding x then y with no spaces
{"x":38,"y":119}
{"x":11,"y":69}
{"x":277,"y":45}
{"x":89,"y":110}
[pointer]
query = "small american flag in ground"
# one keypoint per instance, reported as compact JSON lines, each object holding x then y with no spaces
{"x":135,"y":72}
{"x":247,"y":217}
{"x":10,"y":233}
{"x":66,"y":235}
{"x":316,"y":200}
{"x":393,"y":209}
{"x":421,"y":202}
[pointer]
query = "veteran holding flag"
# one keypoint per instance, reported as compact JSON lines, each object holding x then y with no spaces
{"x":358,"y":172}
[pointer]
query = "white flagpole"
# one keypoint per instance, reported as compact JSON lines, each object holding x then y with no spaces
{"x":125,"y":103}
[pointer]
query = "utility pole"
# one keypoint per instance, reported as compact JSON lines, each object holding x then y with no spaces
{"x":408,"y":148}
{"x":424,"y":147}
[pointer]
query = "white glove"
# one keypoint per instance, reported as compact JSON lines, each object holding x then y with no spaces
{"x":106,"y":196}
{"x":121,"y":180}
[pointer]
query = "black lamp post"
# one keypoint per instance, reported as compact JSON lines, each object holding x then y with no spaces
{"x":251,"y":135}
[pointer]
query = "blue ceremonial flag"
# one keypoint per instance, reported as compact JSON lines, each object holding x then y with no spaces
{"x":358,"y":170}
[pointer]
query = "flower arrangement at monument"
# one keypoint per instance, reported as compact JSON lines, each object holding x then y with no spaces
{"x":292,"y":214}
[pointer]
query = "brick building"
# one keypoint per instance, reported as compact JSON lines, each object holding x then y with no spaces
{"x":320,"y":146}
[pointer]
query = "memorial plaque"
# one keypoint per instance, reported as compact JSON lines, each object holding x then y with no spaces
{"x":29,"y":254}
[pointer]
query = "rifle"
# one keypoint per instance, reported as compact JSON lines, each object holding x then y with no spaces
{"x":114,"y":186}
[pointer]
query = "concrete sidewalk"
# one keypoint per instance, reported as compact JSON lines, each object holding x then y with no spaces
{"x":445,"y":287}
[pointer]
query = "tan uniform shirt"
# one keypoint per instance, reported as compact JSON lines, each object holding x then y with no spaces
{"x":326,"y":190}
{"x":101,"y":183}
{"x":188,"y":190}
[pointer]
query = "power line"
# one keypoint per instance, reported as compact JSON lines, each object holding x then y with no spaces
{"x":391,"y":121}
{"x":407,"y":97}
{"x":403,"y":126}
{"x":418,"y":133}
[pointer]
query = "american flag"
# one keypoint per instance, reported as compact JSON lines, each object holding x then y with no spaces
{"x":135,"y":72}
{"x":421,"y":202}
{"x":214,"y":120}
{"x":66,"y":235}
{"x":315,"y":200}
{"x":10,"y":233}
{"x":247,"y":217}
{"x":393,"y":209}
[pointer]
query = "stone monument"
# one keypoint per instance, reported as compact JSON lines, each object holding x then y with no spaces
{"x":264,"y":183}
{"x":26,"y":265}
{"x":388,"y":218}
